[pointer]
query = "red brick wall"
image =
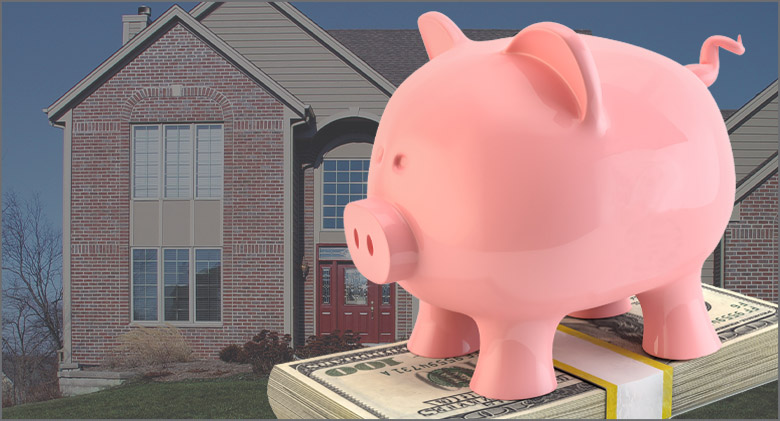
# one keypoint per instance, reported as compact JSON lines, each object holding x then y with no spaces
{"x":751,"y":245}
{"x":213,"y":90}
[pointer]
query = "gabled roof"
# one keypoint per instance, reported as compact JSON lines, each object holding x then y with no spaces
{"x":739,"y":117}
{"x":318,"y":34}
{"x":397,"y":53}
{"x":139,"y":43}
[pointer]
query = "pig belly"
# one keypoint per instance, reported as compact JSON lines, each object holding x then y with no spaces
{"x":627,"y":254}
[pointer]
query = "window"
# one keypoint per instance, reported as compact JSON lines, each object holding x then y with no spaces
{"x":385,"y":293}
{"x":177,"y":161}
{"x":207,"y":285}
{"x":145,"y":284}
{"x":146,"y":162}
{"x":344,"y":181}
{"x":208,"y":175}
{"x":176,"y":277}
{"x":325,"y":285}
{"x":178,"y":145}
{"x":170,"y":288}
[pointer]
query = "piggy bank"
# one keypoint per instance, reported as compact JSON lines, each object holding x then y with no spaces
{"x":515,"y":181}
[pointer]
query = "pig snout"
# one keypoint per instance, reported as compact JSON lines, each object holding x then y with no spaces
{"x":380,"y":241}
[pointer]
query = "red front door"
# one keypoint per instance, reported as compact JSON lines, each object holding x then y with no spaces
{"x":357,"y":303}
{"x":349,"y":301}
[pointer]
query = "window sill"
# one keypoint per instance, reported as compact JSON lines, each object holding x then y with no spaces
{"x":177,"y":324}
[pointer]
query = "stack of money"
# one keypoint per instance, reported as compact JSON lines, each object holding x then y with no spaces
{"x":389,"y":382}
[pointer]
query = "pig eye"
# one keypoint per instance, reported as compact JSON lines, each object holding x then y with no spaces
{"x":399,"y":162}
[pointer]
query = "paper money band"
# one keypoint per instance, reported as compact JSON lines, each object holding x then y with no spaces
{"x":637,"y":386}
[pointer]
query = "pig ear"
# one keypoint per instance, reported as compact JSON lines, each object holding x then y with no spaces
{"x":439,"y":33}
{"x":565,"y":52}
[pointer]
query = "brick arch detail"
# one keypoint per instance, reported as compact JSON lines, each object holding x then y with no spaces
{"x":184,"y":92}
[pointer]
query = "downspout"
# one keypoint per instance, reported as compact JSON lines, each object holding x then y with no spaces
{"x":65,"y":358}
{"x":289,"y":266}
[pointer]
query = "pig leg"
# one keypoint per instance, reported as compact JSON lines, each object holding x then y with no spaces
{"x":677,"y":325}
{"x":515,"y":359}
{"x":440,"y":333}
{"x":607,"y":310}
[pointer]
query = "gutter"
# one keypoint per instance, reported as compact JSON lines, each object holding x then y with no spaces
{"x":58,"y":123}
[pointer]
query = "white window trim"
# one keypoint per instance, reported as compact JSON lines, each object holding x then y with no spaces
{"x":195,"y":163}
{"x":161,"y":293}
{"x":164,"y":160}
{"x":161,"y":161}
{"x":160,"y":141}
{"x":221,"y":283}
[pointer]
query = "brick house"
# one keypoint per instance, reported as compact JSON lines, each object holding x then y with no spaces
{"x":207,"y":163}
{"x":746,"y":257}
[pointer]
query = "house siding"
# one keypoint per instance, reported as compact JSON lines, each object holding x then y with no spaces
{"x":708,"y":269}
{"x":751,"y":245}
{"x":756,"y":139}
{"x":290,"y":56}
{"x":252,"y":257}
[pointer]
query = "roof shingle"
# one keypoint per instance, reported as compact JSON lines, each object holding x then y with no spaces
{"x":397,"y":53}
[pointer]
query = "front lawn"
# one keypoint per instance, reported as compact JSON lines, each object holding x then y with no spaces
{"x":242,"y":396}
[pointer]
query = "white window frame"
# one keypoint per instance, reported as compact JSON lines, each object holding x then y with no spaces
{"x":161,"y":161}
{"x":195,"y":164}
{"x":177,"y":128}
{"x":190,"y":281}
{"x":160,"y":141}
{"x":132,"y":285}
{"x":161,"y":293}
{"x":221,"y":282}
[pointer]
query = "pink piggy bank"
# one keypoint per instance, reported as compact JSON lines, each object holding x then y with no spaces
{"x":518,"y":180}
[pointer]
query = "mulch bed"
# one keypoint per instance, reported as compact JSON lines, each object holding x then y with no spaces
{"x":178,"y":371}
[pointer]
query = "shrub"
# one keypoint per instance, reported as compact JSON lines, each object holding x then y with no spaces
{"x":328,"y":344}
{"x":147,"y":346}
{"x":267,"y":349}
{"x":233,"y":354}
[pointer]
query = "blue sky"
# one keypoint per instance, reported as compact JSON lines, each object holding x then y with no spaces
{"x":48,"y":47}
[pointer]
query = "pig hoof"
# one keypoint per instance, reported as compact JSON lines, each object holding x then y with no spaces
{"x":602,"y":312}
{"x":676,"y":323}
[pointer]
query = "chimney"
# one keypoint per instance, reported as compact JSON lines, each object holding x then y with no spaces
{"x":133,"y":24}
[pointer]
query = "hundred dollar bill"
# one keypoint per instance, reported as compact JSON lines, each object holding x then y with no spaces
{"x":390,"y":382}
{"x":734,"y":316}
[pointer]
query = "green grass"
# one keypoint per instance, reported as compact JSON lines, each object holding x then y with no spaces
{"x":242,"y":396}
{"x":758,"y":403}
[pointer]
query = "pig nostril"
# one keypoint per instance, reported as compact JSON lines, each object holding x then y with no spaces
{"x":357,"y":239}
{"x":370,"y":245}
{"x":399,"y":162}
{"x":379,"y":154}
